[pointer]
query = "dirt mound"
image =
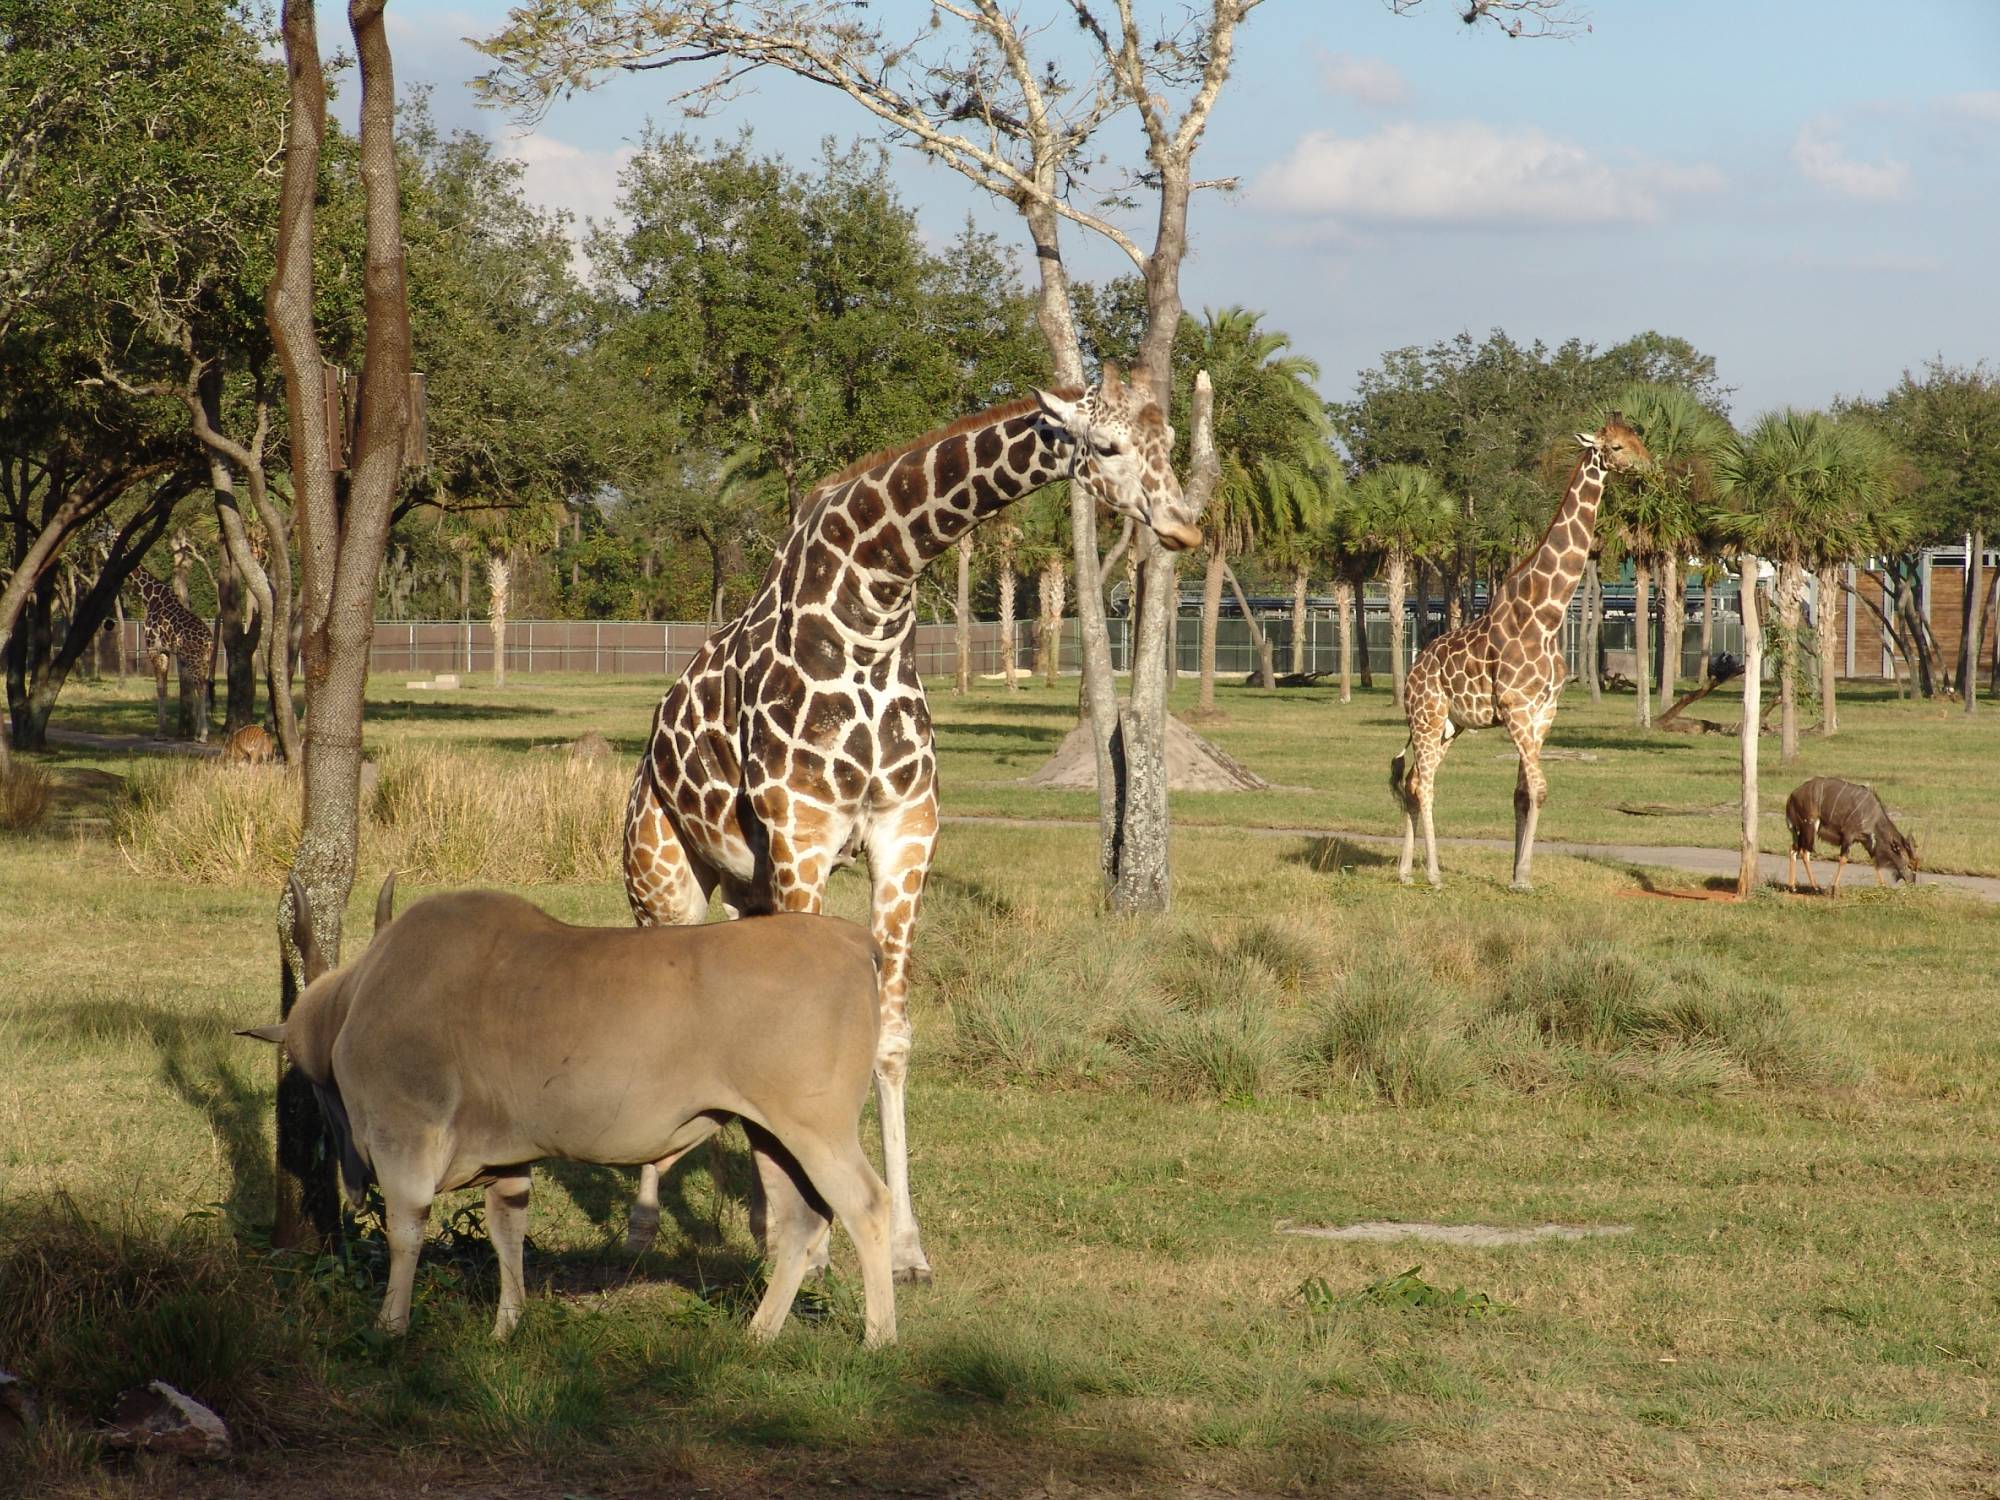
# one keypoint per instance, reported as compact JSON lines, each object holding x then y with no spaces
{"x":1193,"y":764}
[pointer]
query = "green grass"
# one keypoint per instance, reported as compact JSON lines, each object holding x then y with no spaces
{"x":1793,"y":1102}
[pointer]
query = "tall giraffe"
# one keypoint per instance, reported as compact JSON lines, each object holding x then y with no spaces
{"x":1506,"y":667}
{"x":174,"y":633}
{"x":798,"y":737}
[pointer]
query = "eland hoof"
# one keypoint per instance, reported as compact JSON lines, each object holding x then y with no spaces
{"x":641,"y":1230}
{"x":1519,"y":885}
{"x":913,"y":1276}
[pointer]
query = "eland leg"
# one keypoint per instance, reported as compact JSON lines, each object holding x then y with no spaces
{"x":507,"y":1227}
{"x":796,"y":1225}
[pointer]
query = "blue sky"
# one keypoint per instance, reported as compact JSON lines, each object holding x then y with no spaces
{"x":1806,"y":189}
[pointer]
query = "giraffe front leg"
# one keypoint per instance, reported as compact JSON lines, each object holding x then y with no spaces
{"x":667,"y":886}
{"x":163,"y":732}
{"x":899,"y":857}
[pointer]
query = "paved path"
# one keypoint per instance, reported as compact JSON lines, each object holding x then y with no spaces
{"x":1666,"y":856}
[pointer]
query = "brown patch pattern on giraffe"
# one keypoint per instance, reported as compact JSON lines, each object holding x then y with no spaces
{"x":799,"y":738}
{"x":1506,"y":667}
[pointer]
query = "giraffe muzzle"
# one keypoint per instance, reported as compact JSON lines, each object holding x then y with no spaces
{"x":1177,"y":536}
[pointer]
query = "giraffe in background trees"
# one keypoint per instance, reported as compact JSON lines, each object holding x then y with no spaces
{"x":798,"y":737}
{"x":174,"y":633}
{"x":1506,"y":667}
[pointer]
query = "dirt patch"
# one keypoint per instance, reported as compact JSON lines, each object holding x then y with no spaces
{"x":1193,"y":764}
{"x":1385,"y":1231}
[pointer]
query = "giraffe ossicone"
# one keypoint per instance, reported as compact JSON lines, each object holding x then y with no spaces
{"x":798,"y":738}
{"x":1506,"y":667}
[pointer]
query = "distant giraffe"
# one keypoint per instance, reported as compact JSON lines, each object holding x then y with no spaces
{"x":798,"y":737}
{"x":1506,"y":667}
{"x":174,"y":633}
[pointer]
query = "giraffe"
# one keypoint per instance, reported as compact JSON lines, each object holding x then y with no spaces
{"x":798,"y":737}
{"x":1506,"y":667}
{"x":174,"y":632}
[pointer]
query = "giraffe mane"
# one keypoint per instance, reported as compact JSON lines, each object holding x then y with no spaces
{"x":966,"y":423}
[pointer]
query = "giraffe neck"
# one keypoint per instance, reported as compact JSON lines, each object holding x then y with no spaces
{"x":863,"y":544}
{"x":1546,"y":578}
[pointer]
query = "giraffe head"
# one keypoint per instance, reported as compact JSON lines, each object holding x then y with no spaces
{"x":1617,"y":445}
{"x":1123,"y":454}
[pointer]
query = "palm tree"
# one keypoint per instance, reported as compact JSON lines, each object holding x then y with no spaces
{"x":1403,"y":510}
{"x":1353,"y":559}
{"x":1278,"y":472}
{"x":1656,"y":511}
{"x":1804,"y":488}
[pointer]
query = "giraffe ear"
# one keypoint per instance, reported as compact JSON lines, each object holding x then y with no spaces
{"x":1066,"y":413}
{"x":1111,"y":383}
{"x":1586,"y":439}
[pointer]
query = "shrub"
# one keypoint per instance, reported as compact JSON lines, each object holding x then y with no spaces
{"x":195,"y":821}
{"x":1392,"y":1034}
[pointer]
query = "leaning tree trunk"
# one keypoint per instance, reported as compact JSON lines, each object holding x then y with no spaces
{"x":1267,"y":666}
{"x":1343,"y":601}
{"x":193,"y":675}
{"x":1398,"y":579}
{"x":1790,"y":587}
{"x":1975,"y":595}
{"x":341,"y":536}
{"x":1823,"y":635}
{"x":962,"y":617}
{"x":1753,"y":686}
{"x":1642,"y":640}
{"x":1007,"y":581}
{"x":1299,"y":582}
{"x":499,"y":575}
{"x":1211,"y":621}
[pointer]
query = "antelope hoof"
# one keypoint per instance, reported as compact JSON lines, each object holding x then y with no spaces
{"x":919,"y":1275}
{"x":1520,"y":885}
{"x":641,"y":1230}
{"x":503,"y":1323}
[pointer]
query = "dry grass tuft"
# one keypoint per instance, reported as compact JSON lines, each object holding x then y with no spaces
{"x":442,"y":817}
{"x":26,"y":794}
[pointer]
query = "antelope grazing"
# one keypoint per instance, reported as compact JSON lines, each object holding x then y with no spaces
{"x":477,"y":1035}
{"x":1845,"y":813}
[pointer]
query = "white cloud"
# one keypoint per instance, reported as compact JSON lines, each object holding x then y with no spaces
{"x":1981,"y":108}
{"x":1468,"y":174}
{"x":1372,"y":81}
{"x":1819,"y":155}
{"x":559,"y":175}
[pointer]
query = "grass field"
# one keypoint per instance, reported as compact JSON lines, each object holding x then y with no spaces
{"x":1792,"y":1103}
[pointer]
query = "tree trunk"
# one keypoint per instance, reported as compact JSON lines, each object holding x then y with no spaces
{"x":1673,"y":622}
{"x":1823,"y":632}
{"x":1398,"y":570}
{"x":499,"y":575}
{"x":192,"y":720}
{"x":1007,"y":582}
{"x":1211,"y":621}
{"x":1753,"y":685}
{"x":1343,"y":601}
{"x":1707,"y":618}
{"x":1975,"y":598}
{"x":1052,"y":617}
{"x":1593,"y":630}
{"x":1266,"y":673}
{"x":1993,"y":613}
{"x":962,"y":617}
{"x":1299,"y":582}
{"x":240,"y":630}
{"x":1790,"y":588}
{"x":1642,"y":639}
{"x":340,"y":544}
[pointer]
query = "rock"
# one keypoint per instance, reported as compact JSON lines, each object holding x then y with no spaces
{"x":159,"y":1419}
{"x":590,"y":745}
{"x":19,"y":1415}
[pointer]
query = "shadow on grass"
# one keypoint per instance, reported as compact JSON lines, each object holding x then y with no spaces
{"x":202,"y":1064}
{"x":1336,"y":852}
{"x":433,"y":711}
{"x":1034,"y":734}
{"x":624,"y":747}
{"x":1583,"y":737}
